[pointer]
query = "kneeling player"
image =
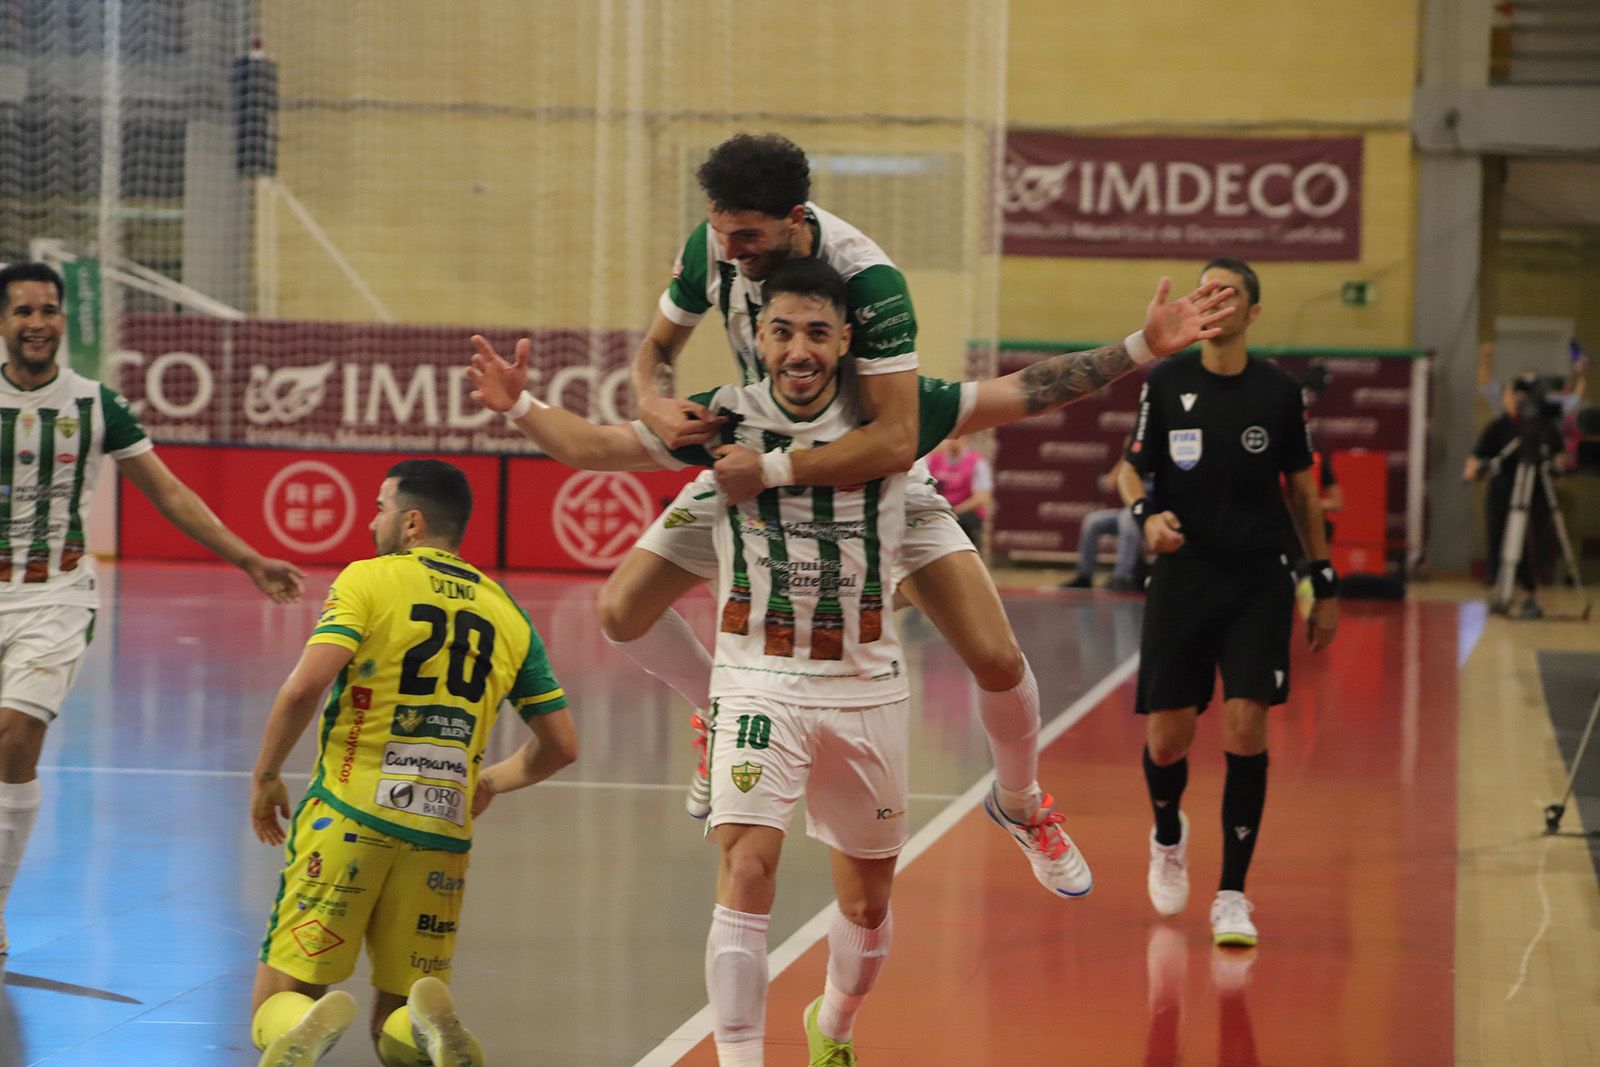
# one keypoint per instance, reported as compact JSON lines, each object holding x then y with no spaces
{"x":419,"y":648}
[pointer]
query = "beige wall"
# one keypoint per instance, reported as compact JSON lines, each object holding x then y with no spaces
{"x":1239,"y":67}
{"x":512,"y":163}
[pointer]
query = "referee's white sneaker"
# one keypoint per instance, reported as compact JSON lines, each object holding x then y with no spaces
{"x":1230,"y":920}
{"x":1168,"y":881}
{"x":1056,"y":861}
{"x":698,"y":802}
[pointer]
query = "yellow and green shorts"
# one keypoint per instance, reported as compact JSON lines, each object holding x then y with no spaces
{"x":344,"y":882}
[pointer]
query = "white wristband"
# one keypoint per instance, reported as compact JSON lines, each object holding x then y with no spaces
{"x":776,"y":469}
{"x":1138,"y":348}
{"x":520,"y":408}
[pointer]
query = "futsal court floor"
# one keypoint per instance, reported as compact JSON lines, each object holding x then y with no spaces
{"x":1411,"y":911}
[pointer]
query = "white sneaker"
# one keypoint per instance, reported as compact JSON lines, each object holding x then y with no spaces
{"x":1056,"y":861}
{"x":310,"y":1039}
{"x":1230,"y":919}
{"x":698,"y":802}
{"x":1168,"y":881}
{"x":438,"y":1029}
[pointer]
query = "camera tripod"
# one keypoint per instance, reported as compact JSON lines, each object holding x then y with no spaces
{"x":1553,"y":812}
{"x":1533,"y":470}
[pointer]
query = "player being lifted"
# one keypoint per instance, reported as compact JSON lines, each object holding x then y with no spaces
{"x":809,"y":692}
{"x":55,"y":425}
{"x":760,"y":216}
{"x":419,"y":648}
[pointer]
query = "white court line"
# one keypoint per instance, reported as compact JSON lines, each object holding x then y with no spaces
{"x":1544,"y":922}
{"x":636,"y":787}
{"x":698,"y":1026}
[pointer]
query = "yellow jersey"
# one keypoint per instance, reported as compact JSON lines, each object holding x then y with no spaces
{"x":437,"y":645}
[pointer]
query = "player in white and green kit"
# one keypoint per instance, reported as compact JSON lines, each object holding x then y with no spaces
{"x":759,"y":216}
{"x":55,"y":425}
{"x":809,"y":686}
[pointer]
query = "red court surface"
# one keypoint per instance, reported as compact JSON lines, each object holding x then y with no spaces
{"x":1353,"y":883}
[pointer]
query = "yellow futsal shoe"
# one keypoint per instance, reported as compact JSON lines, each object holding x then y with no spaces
{"x":309,"y":1039}
{"x":438,"y":1029}
{"x":824,"y":1050}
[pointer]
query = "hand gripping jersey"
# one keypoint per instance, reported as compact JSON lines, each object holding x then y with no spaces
{"x":51,"y":441}
{"x":805,"y":574}
{"x":437,"y":647}
{"x":878,"y":303}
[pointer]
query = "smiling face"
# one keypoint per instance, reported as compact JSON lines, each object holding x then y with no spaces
{"x":756,"y":241}
{"x":31,"y":325}
{"x":802,"y":339}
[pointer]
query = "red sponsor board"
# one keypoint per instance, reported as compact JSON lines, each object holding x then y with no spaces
{"x":304,"y":506}
{"x":1048,"y":469}
{"x":327,"y":385}
{"x":561,"y":519}
{"x":1284,"y":199}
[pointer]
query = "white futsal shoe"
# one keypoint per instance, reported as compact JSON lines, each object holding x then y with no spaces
{"x":1230,"y":920}
{"x":1056,"y":861}
{"x":698,"y":802}
{"x":1168,"y":881}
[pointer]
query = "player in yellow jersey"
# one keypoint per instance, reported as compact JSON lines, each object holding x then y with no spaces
{"x":416,"y":649}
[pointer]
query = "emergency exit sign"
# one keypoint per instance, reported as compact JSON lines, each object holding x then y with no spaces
{"x":1358,"y":294}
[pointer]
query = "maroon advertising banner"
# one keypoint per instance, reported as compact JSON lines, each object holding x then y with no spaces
{"x":335,"y":385}
{"x":1264,"y":199}
{"x":1049,"y":470}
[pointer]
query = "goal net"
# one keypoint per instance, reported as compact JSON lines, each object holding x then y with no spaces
{"x":297,"y":210}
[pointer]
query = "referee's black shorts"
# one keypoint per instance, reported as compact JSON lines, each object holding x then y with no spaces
{"x":1206,"y":613}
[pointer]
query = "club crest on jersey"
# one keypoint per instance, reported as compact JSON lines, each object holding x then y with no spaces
{"x":678,"y":517}
{"x":746,"y":775}
{"x":1184,"y":447}
{"x":1255,"y":440}
{"x":67,"y":425}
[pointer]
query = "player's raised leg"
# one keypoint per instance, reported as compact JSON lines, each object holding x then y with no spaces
{"x":957,"y":594}
{"x":295,"y":1023}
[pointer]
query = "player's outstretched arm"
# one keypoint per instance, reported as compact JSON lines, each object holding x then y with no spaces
{"x":554,"y":745}
{"x":678,"y":423}
{"x":1169,"y":327}
{"x":297,"y":702}
{"x":564,"y":436}
{"x":182,"y":507}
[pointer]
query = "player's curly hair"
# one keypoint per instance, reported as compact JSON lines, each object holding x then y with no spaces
{"x":750,"y":172}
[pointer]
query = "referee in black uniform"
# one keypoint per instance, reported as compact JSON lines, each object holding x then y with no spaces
{"x":1219,"y":433}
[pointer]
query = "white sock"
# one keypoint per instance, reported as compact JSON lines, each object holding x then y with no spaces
{"x":736,"y":983}
{"x":855,"y":956}
{"x":671,"y":652}
{"x":1011,"y":721}
{"x":19,"y":804}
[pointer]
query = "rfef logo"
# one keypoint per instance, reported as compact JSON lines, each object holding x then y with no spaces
{"x":598,"y":515}
{"x":309,"y":506}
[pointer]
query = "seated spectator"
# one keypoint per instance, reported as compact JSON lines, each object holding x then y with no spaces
{"x":1125,"y":572}
{"x":967,"y":481}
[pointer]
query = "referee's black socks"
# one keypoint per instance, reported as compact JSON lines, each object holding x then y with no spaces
{"x":1166,"y":786}
{"x":1244,"y":794}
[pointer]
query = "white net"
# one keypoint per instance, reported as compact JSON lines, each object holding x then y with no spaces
{"x":384,"y":177}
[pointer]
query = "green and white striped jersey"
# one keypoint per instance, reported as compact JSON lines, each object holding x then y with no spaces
{"x":879,"y":304}
{"x":51,"y":441}
{"x":805,"y":574}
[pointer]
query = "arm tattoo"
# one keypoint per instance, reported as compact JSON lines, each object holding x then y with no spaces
{"x":1070,"y":376}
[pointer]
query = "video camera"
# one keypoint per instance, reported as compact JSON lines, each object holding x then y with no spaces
{"x":1538,"y":398}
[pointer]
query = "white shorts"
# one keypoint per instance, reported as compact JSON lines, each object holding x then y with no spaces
{"x":848,"y":763}
{"x":682,"y":536}
{"x":40,"y":650}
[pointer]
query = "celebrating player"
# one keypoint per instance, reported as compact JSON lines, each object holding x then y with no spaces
{"x":809,"y":692}
{"x":55,"y":425}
